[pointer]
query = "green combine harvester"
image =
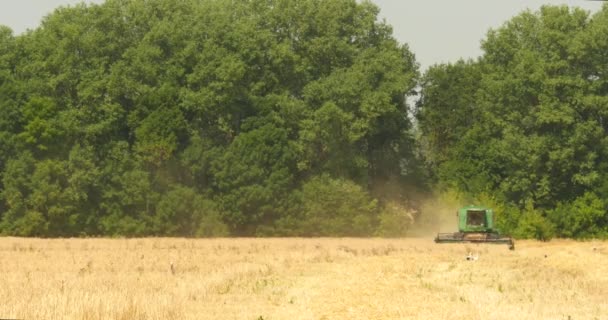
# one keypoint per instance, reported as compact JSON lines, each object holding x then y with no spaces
{"x":475,"y":225}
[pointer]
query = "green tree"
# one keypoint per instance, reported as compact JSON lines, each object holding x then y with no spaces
{"x":116,"y":110}
{"x":447,"y":108}
{"x":527,"y":120}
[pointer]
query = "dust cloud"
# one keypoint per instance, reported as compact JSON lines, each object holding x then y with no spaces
{"x":436,"y":214}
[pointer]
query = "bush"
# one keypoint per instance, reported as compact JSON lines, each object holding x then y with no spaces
{"x":32,"y":224}
{"x":123,"y":225}
{"x":394,"y":220}
{"x":333,"y":207}
{"x":533,"y":225}
{"x":211,"y":225}
{"x":582,"y":218}
{"x":507,"y":218}
{"x":183,"y":212}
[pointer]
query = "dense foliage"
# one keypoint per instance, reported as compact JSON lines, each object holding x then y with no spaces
{"x":285,"y":117}
{"x":527,"y":123}
{"x":203,"y":118}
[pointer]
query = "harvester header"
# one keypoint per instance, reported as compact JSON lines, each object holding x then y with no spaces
{"x":475,"y":225}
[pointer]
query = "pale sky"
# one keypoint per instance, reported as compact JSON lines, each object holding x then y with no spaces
{"x":437,"y":31}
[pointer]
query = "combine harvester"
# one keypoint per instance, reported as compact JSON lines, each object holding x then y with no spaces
{"x":475,"y":225}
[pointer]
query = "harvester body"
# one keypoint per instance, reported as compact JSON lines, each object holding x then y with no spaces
{"x":475,"y":225}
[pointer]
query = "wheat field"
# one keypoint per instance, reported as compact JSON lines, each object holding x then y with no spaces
{"x":267,"y":279}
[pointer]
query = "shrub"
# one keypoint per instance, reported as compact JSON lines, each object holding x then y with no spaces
{"x":533,"y":225}
{"x":211,"y":225}
{"x":394,"y":220}
{"x":582,"y":218}
{"x":31,"y":224}
{"x":334,"y":207}
{"x":183,"y":212}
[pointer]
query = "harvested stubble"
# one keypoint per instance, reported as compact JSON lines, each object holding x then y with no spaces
{"x":300,"y":279}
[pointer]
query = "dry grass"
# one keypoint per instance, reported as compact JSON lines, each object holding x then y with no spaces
{"x":300,"y":279}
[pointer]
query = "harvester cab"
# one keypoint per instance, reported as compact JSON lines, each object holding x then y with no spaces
{"x":475,"y":225}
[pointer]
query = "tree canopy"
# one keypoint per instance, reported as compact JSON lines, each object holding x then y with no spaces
{"x":207,"y":117}
{"x":527,"y":121}
{"x":284,"y":117}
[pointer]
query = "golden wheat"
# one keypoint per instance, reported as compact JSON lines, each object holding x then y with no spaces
{"x":300,"y":279}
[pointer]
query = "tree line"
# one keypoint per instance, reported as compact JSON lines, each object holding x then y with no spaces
{"x":528,"y":123}
{"x":293,"y":118}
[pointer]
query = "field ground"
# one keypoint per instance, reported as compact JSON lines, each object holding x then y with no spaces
{"x":300,"y":279}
